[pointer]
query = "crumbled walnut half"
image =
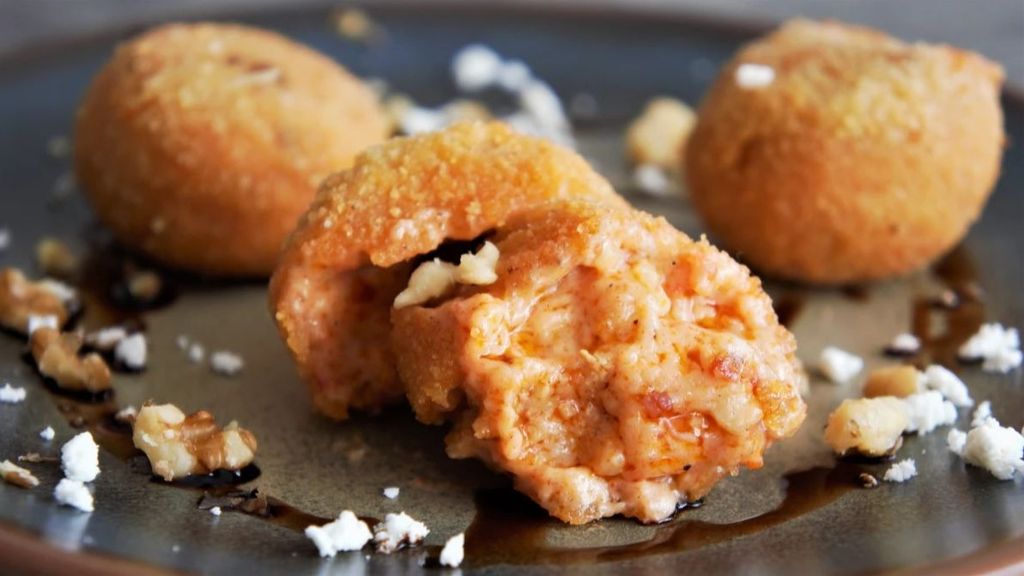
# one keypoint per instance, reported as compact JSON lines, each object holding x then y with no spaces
{"x":21,"y":299}
{"x":658,"y":136}
{"x":179,"y":446}
{"x":898,"y":381}
{"x":56,"y":356}
{"x":871,"y":427}
{"x":55,"y":258}
{"x":435,"y":278}
{"x":14,"y":474}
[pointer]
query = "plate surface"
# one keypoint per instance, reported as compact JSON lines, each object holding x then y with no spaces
{"x":758,"y":522}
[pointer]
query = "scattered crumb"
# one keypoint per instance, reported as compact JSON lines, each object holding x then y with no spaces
{"x":16,"y":475}
{"x":901,"y":471}
{"x":658,"y":136}
{"x":354,"y":24}
{"x":80,"y":458}
{"x":126,"y":415}
{"x":948,"y":384}
{"x":74,"y":494}
{"x":55,"y":258}
{"x":754,"y":76}
{"x":47,"y":433}
{"x":928,"y":411}
{"x":216,"y":511}
{"x":5,"y":239}
{"x":904,"y":345}
{"x":106,"y":339}
{"x":226,"y":363}
{"x":996,"y":346}
{"x":176,"y":548}
{"x":867,"y":480}
{"x":58,"y":146}
{"x":838,"y":365}
{"x":11,"y":395}
{"x":398,"y":530}
{"x":144,"y":286}
{"x":391,"y":492}
{"x":196,"y":353}
{"x":182,"y":341}
{"x":454,"y":551}
{"x":132,"y":351}
{"x":35,"y":322}
{"x":63,"y":187}
{"x":345,"y":534}
{"x":652,"y":180}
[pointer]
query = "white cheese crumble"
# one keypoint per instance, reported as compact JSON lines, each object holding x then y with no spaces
{"x":398,"y":530}
{"x":182,"y":341}
{"x":391,"y":492}
{"x":753,"y":76}
{"x":126,"y":414}
{"x":47,"y":433}
{"x":195,"y":353}
{"x":982,"y":414}
{"x":106,"y":338}
{"x":996,"y":448}
{"x":927,"y":411}
{"x":435,"y":278}
{"x":475,"y":67}
{"x":905,"y":344}
{"x":454,"y":551}
{"x":948,"y":384}
{"x":901,"y":471}
{"x":11,"y":395}
{"x":62,"y":291}
{"x":998,"y":348}
{"x":80,"y":458}
{"x":37,"y":321}
{"x":956,"y":440}
{"x":514,"y":75}
{"x":132,"y":351}
{"x":652,"y":180}
{"x":73,"y":493}
{"x":838,"y":365}
{"x":345,"y":534}
{"x":226,"y":363}
{"x":216,"y":511}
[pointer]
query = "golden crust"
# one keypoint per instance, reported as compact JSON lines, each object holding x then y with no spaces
{"x":350,"y":255}
{"x":202,"y":144}
{"x":865,"y":158}
{"x":615,"y":366}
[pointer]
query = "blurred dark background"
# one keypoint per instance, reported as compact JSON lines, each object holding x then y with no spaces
{"x":992,"y":27}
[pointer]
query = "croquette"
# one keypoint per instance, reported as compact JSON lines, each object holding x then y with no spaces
{"x":835,"y":154}
{"x":201,"y":145}
{"x":355,"y":248}
{"x":615,"y":366}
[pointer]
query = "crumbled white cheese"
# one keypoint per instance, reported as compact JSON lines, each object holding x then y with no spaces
{"x":106,"y":338}
{"x":226,"y":363}
{"x":904,"y":344}
{"x":36,"y":322}
{"x":182,"y":341}
{"x":542,"y":103}
{"x":982,"y":414}
{"x":998,"y":348}
{"x":419,"y":120}
{"x":927,"y":411}
{"x":132,"y":351}
{"x":652,"y":180}
{"x":901,"y":471}
{"x":196,"y":353}
{"x":216,"y":511}
{"x":956,"y":440}
{"x":126,"y":414}
{"x":16,"y":475}
{"x":5,"y":239}
{"x":478,"y":269}
{"x":435,"y":278}
{"x":948,"y":384}
{"x":47,"y":433}
{"x":752,"y":76}
{"x":80,"y":458}
{"x":514,"y":75}
{"x":58,"y":146}
{"x":176,"y":548}
{"x":59,"y":289}
{"x":475,"y":67}
{"x":345,"y":534}
{"x":398,"y":530}
{"x":996,"y":448}
{"x":838,"y":365}
{"x":454,"y":551}
{"x":391,"y":492}
{"x":73,"y":493}
{"x":11,"y":395}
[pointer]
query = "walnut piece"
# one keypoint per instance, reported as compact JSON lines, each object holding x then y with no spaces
{"x":16,"y":475}
{"x":21,"y":299}
{"x":179,"y":445}
{"x":56,"y":356}
{"x":55,"y":258}
{"x":898,"y":381}
{"x":871,"y":427}
{"x":658,"y":136}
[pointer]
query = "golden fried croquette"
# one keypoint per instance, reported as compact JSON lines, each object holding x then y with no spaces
{"x":861,"y":158}
{"x":614,"y":367}
{"x":202,"y":144}
{"x":353,"y":251}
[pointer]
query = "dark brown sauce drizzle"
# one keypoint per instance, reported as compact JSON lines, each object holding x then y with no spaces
{"x":510,"y":529}
{"x":963,"y":308}
{"x":265,"y":507}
